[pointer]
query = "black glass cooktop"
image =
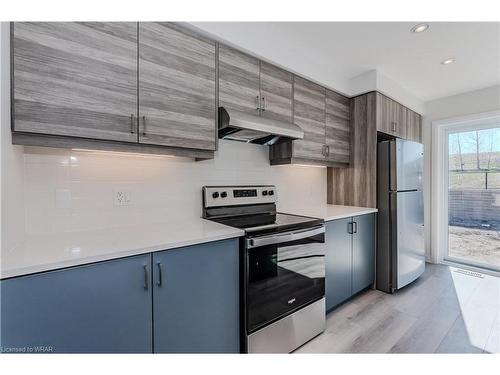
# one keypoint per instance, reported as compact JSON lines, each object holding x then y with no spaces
{"x":267,"y":221}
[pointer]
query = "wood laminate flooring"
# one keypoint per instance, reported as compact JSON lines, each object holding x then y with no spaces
{"x":444,"y":311}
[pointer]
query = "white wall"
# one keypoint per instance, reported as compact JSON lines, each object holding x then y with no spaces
{"x":162,"y":188}
{"x":257,"y":42}
{"x":473,"y":102}
{"x":374,"y":80}
{"x":12,"y":163}
{"x":305,"y":62}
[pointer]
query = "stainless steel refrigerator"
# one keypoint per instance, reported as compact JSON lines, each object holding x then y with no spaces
{"x":400,"y":222}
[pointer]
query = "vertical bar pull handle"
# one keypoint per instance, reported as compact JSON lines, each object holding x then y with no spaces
{"x":355,"y":227}
{"x":146,"y":277}
{"x":263,"y":103}
{"x":132,"y":127}
{"x":160,"y":274}
{"x":349,"y":228}
{"x":144,"y":125}
{"x":257,"y":102}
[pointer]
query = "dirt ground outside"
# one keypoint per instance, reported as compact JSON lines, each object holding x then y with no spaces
{"x":478,"y":245}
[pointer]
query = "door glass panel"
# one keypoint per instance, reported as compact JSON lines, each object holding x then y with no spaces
{"x":474,"y":197}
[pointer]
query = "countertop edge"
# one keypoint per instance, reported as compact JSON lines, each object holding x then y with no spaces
{"x":357,"y":213}
{"x":54,"y":266}
{"x":331,"y":212}
{"x":319,"y":212}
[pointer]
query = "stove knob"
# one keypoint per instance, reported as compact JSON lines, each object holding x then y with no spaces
{"x":264,"y":192}
{"x":223,"y":194}
{"x":215,"y":195}
{"x":271,"y":192}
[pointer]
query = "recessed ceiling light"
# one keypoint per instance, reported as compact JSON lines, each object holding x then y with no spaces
{"x":420,"y":28}
{"x":448,"y":61}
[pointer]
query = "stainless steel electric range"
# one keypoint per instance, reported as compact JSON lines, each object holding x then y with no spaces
{"x":282,"y":267}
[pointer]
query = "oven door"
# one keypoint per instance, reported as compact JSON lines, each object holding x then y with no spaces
{"x":285,"y":271}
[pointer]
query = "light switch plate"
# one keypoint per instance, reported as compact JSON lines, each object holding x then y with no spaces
{"x":122,"y":197}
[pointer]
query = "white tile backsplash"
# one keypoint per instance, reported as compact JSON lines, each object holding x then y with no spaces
{"x":68,"y":190}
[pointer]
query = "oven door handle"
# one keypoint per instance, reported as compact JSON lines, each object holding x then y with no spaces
{"x":284,"y":237}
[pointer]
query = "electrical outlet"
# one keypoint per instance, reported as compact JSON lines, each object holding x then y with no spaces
{"x":63,"y":198}
{"x":122,"y":197}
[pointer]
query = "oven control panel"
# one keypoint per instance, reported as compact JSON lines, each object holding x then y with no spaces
{"x":214,"y":196}
{"x":244,"y":193}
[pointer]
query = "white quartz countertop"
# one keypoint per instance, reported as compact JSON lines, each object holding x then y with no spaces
{"x":38,"y":253}
{"x":329,"y":212}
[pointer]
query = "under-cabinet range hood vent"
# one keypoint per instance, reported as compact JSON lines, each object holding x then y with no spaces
{"x":240,"y":126}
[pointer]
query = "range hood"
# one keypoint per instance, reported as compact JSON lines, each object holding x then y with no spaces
{"x":240,"y":126}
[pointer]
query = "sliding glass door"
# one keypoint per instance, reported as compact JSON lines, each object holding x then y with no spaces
{"x":473,"y":196}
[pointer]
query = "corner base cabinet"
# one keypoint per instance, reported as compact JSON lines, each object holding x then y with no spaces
{"x":350,"y":257}
{"x":184,"y":300}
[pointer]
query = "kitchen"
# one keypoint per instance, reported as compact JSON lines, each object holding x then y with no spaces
{"x":181,"y":194}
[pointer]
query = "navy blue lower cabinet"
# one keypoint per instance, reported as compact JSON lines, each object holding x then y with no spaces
{"x":350,"y":257}
{"x":196,"y":299}
{"x":363,"y":252}
{"x":338,"y":258}
{"x":99,"y":308}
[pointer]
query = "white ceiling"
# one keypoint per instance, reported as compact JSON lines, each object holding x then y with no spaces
{"x":337,"y":52}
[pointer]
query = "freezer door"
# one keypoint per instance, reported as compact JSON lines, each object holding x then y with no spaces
{"x":410,"y":237}
{"x":409,"y":163}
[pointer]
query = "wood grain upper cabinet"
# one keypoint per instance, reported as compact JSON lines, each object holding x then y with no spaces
{"x":176,"y":87}
{"x":399,"y":119}
{"x":239,"y":81}
{"x":391,"y":117}
{"x":309,"y":114}
{"x":413,"y":126}
{"x":338,"y":128}
{"x":276,"y":88}
{"x":75,"y":79}
{"x":356,"y":185}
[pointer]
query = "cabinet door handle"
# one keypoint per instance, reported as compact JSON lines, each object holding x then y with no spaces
{"x":257,"y":102}
{"x":160,"y":274}
{"x":327,"y":150}
{"x":132,"y":121}
{"x":393,"y":126}
{"x":146,"y":277}
{"x":264,"y":104}
{"x":144,"y":125}
{"x":349,"y":228}
{"x":323,"y":150}
{"x":355,"y":227}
